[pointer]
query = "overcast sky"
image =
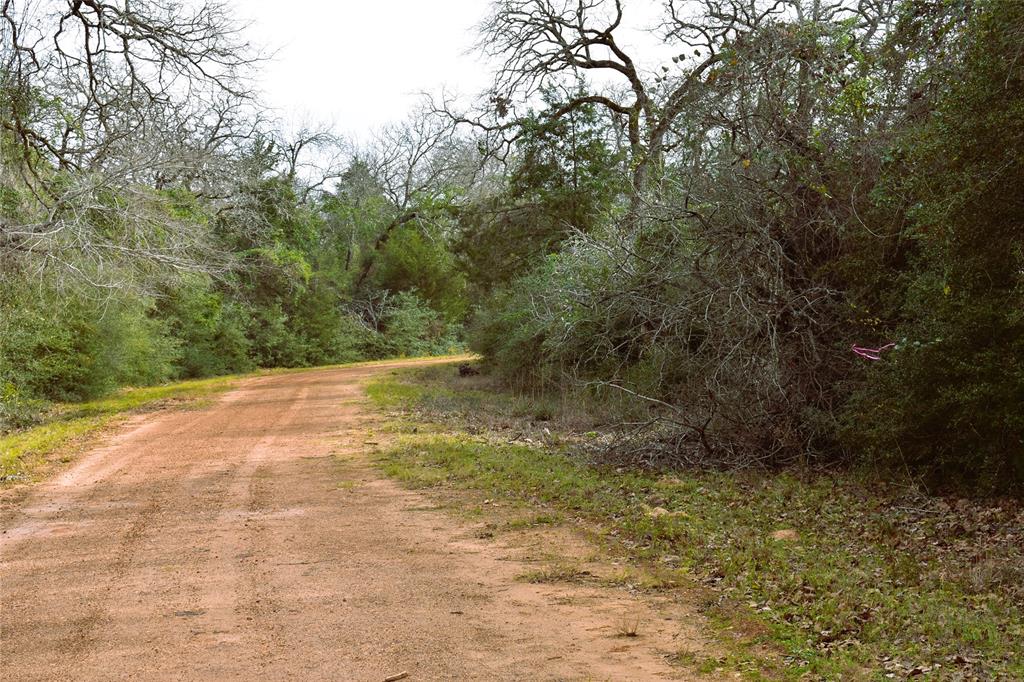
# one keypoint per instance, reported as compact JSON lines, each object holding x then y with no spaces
{"x":357,"y":64}
{"x":360,"y":63}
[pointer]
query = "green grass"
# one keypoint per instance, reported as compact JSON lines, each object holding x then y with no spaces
{"x":393,"y":394}
{"x":866,"y":589}
{"x":22,"y":453}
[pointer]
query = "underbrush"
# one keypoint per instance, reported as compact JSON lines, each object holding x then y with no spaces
{"x":846,"y":579}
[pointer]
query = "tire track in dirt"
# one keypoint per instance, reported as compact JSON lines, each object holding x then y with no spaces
{"x":254,"y":539}
{"x":73,"y":502}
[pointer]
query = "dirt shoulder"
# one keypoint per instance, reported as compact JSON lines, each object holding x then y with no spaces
{"x":255,"y":538}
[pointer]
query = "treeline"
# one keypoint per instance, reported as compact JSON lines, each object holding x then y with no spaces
{"x":285,"y":301}
{"x":154,"y":225}
{"x":799,"y":239}
{"x":285,"y":292}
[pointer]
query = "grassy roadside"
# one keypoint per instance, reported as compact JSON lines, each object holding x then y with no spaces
{"x":25,"y":453}
{"x":843,"y":579}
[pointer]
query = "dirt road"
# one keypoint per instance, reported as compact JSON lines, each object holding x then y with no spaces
{"x":253,"y":540}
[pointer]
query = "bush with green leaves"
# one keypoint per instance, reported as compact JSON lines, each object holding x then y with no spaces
{"x":508,"y":335}
{"x":17,"y":411}
{"x":948,"y":401}
{"x":67,"y":346}
{"x":412,"y":328}
{"x":208,"y":327}
{"x":417,"y":258}
{"x":48,"y":347}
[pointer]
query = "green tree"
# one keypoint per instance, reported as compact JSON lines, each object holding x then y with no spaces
{"x":565,"y":178}
{"x":948,"y":400}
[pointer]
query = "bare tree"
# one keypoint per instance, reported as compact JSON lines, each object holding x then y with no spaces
{"x":415,"y":157}
{"x":540,"y":43}
{"x":98,"y":68}
{"x":311,"y":156}
{"x":104,"y":105}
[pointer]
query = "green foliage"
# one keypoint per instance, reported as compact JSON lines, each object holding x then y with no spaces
{"x":871,"y":203}
{"x":133,"y":348}
{"x":566,"y":178}
{"x":285,"y":302}
{"x":508,"y":335}
{"x":78,"y":348}
{"x":17,"y":411}
{"x":47,"y":350}
{"x":209,"y":329}
{"x":948,"y":401}
{"x":275,"y":342}
{"x":411,"y":328}
{"x":416,"y":258}
{"x":10,"y":201}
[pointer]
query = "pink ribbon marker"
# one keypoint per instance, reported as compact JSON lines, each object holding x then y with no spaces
{"x":872,"y":353}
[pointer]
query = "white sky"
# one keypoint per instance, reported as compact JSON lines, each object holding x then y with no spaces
{"x":360,"y":63}
{"x":357,"y":64}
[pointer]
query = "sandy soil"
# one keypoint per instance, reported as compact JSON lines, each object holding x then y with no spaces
{"x":253,"y":540}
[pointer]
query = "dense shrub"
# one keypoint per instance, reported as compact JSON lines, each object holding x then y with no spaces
{"x":133,"y":348}
{"x":948,"y":400}
{"x":416,"y":258}
{"x":412,"y":328}
{"x":209,"y":329}
{"x":68,"y":346}
{"x":507,"y":333}
{"x":17,"y":411}
{"x":870,"y":197}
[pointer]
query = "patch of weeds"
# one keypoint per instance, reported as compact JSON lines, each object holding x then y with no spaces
{"x":485,"y":533}
{"x":439,"y":393}
{"x":413,"y":474}
{"x":745,"y":666}
{"x":392,"y":394}
{"x":741,"y":666}
{"x":628,"y":626}
{"x":534,"y":408}
{"x":533,"y":521}
{"x":555,"y":574}
{"x":647,"y":580}
{"x":685,"y":658}
{"x":410,"y":427}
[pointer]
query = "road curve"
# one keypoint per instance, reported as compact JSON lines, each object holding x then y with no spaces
{"x":252,"y":540}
